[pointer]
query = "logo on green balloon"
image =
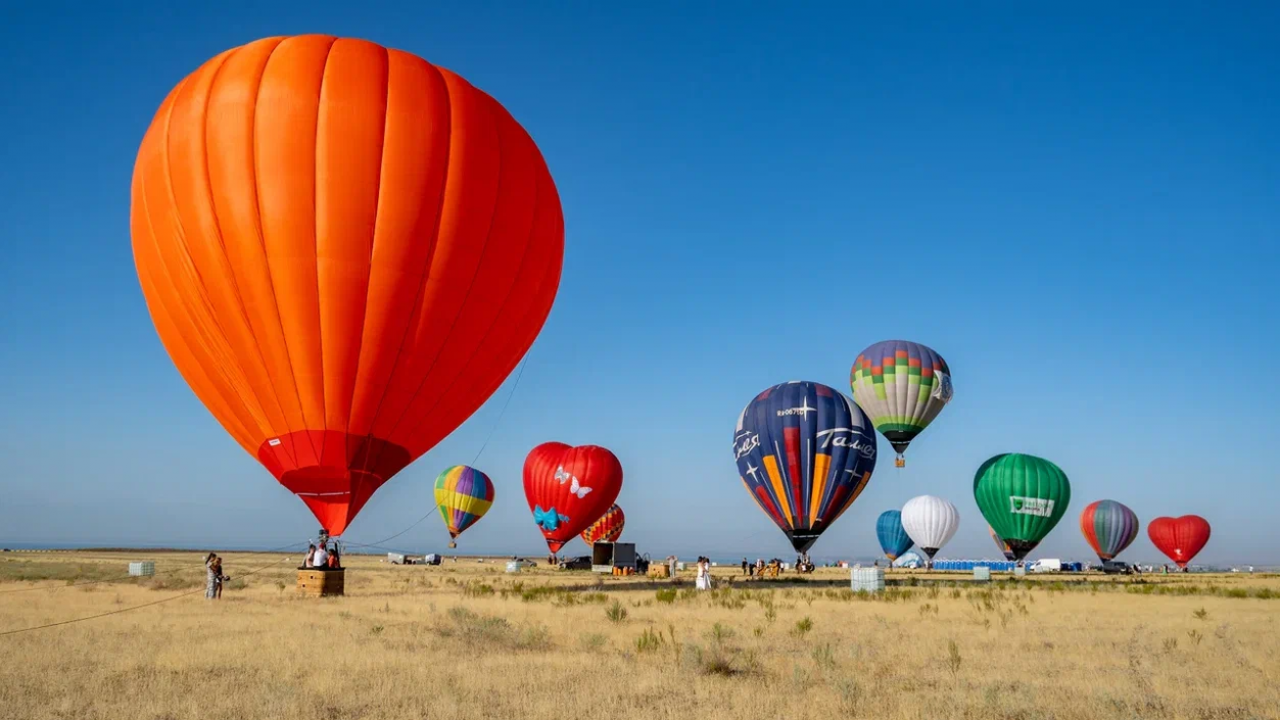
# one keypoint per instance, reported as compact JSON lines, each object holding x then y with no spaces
{"x":1040,"y":507}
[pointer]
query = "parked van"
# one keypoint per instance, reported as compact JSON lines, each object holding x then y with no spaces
{"x":1046,"y":565}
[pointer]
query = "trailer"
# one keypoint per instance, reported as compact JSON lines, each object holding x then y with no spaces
{"x":605,"y":556}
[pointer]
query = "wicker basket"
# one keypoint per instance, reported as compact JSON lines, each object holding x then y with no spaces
{"x":321,"y":583}
{"x":659,"y":570}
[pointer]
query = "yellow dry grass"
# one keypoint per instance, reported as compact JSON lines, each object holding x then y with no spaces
{"x":467,"y":640}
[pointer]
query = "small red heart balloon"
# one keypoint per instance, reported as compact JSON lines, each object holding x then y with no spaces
{"x":1179,"y":538}
{"x":568,"y":488}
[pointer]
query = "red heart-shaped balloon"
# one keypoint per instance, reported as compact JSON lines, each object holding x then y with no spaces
{"x":568,"y":488}
{"x":1179,"y":538}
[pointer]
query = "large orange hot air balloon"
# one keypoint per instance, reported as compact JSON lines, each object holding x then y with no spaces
{"x":345,"y":250}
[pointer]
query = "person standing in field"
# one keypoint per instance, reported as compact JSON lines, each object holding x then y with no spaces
{"x":744,"y":566}
{"x":210,"y":579}
{"x":218,"y":578}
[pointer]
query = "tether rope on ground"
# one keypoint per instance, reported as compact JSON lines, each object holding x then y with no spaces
{"x":133,"y":607}
{"x":122,"y":578}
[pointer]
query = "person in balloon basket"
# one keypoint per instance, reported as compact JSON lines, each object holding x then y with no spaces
{"x":320,"y":561}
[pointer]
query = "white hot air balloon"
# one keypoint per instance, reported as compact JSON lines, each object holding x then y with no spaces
{"x":930,"y":521}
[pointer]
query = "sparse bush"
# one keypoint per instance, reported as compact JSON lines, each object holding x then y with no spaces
{"x":803,"y":626}
{"x":616,"y":613}
{"x":823,"y":658}
{"x":953,"y":657}
{"x":649,"y":641}
{"x":477,"y":589}
{"x":1195,"y":636}
{"x":1201,"y":614}
{"x":593,"y":642}
{"x":533,"y":637}
{"x":665,"y":595}
{"x":850,"y":696}
{"x":720,"y":633}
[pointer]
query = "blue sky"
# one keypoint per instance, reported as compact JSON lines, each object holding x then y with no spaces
{"x":1076,"y":206}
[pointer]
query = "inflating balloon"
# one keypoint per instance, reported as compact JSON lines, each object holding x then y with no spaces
{"x":902,"y":386}
{"x":463,"y":496}
{"x":1000,"y":543}
{"x":607,"y":529}
{"x":1109,"y":527}
{"x":568,"y":488}
{"x":1180,"y":538}
{"x":345,"y":250}
{"x":1022,"y":498}
{"x":805,"y":452}
{"x":931,"y":522}
{"x":893,"y":538}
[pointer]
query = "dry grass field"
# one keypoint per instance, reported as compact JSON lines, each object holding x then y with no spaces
{"x":467,"y":640}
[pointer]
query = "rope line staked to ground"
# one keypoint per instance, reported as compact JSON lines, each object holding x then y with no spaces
{"x":133,"y":607}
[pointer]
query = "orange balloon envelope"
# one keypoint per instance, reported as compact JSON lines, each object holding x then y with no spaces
{"x":345,"y":250}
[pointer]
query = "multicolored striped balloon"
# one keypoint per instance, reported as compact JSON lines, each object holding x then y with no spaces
{"x":804,"y":452}
{"x":607,"y":529}
{"x":463,"y":495}
{"x":902,"y":386}
{"x":1109,"y":527}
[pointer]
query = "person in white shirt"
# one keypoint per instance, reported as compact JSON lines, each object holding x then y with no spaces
{"x":321,"y":558}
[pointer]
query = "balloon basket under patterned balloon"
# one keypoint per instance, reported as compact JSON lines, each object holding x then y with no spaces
{"x":321,"y":583}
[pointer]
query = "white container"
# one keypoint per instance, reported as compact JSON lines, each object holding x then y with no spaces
{"x":869,"y":579}
{"x":513,"y":566}
{"x":395,"y":558}
{"x":140,"y":569}
{"x":982,"y":572}
{"x":1019,"y":570}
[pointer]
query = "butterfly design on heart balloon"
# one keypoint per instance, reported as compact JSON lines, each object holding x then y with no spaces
{"x":568,"y":487}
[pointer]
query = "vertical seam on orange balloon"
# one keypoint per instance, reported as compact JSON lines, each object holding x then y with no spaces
{"x":181,"y":245}
{"x":146,"y":211}
{"x":372,"y":458}
{"x":497,"y":195}
{"x":315,"y":253}
{"x":484,"y":338}
{"x":235,"y":286}
{"x":166,"y":311}
{"x":262,"y":239}
{"x":364,"y":318}
{"x":364,"y":315}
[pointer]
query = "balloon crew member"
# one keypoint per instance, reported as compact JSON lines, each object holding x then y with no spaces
{"x":210,"y":580}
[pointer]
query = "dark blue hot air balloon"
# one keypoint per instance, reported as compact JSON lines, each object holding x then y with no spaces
{"x":805,"y":452}
{"x":894,"y":539}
